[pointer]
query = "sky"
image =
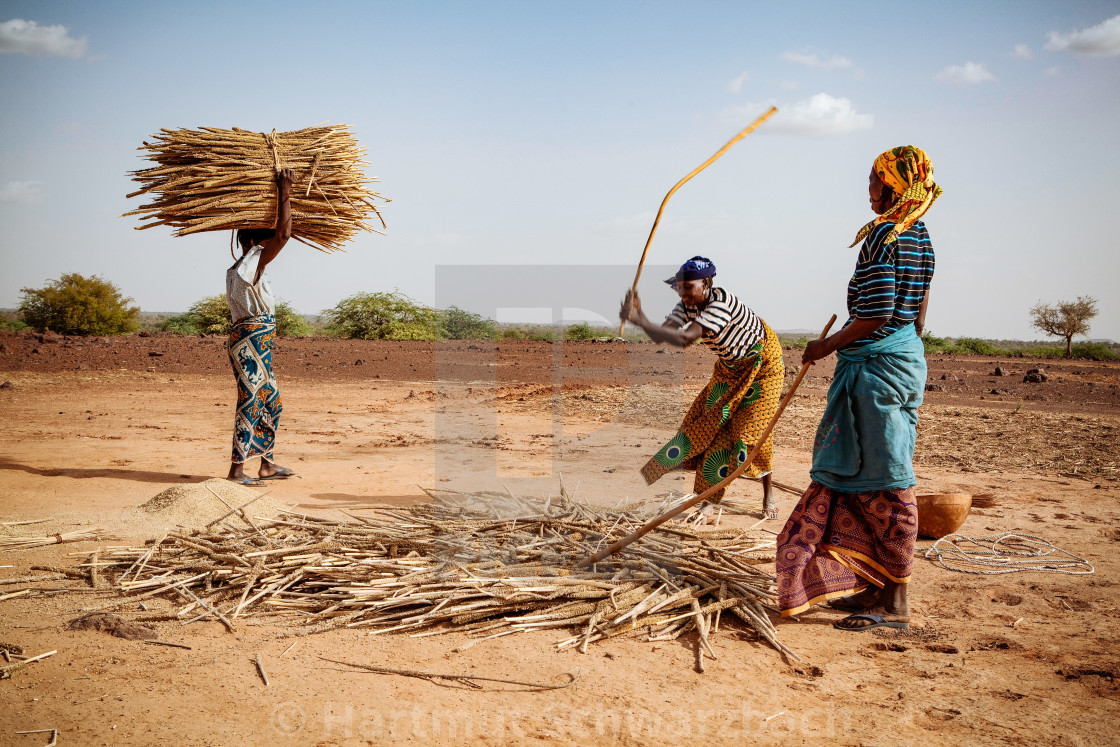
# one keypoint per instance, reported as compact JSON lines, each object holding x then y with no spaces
{"x":531,"y":143}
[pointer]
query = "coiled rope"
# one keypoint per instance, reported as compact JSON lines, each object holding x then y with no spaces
{"x":1005,"y":553}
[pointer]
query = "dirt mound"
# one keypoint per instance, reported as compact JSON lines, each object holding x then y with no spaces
{"x":113,"y":625}
{"x":198,"y":504}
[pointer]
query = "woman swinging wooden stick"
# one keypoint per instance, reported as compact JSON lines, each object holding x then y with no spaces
{"x":729,"y":414}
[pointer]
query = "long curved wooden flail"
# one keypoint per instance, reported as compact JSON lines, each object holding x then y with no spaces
{"x":654,"y":523}
{"x":742,"y":134}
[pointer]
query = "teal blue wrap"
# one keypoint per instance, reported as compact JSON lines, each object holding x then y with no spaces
{"x":866,"y":437}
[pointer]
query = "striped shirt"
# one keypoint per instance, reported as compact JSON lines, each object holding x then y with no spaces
{"x":730,"y":328}
{"x":890,"y":280}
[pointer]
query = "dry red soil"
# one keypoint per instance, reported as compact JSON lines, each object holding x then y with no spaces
{"x":90,"y":428}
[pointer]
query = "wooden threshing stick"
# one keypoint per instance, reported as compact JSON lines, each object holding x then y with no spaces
{"x":742,"y":134}
{"x":654,"y":523}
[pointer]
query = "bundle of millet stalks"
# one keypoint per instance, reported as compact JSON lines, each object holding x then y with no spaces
{"x":213,"y":179}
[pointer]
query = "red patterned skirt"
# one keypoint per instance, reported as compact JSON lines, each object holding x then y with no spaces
{"x":834,"y":544}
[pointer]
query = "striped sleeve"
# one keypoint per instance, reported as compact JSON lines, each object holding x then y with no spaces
{"x":678,"y":315}
{"x":872,"y":288}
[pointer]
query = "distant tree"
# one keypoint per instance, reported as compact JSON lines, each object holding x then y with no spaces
{"x":1064,"y":319}
{"x":78,"y":305}
{"x":464,"y":325}
{"x":383,"y":316}
{"x":210,"y":316}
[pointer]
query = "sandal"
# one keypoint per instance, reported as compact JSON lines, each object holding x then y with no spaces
{"x":877,"y":621}
{"x":281,"y":474}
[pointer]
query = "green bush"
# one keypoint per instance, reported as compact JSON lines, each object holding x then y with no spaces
{"x":78,"y":305}
{"x":581,"y":331}
{"x":1041,"y":351}
{"x":463,"y":325}
{"x":383,"y":316}
{"x":8,"y":323}
{"x":513,"y":334}
{"x":937,"y":344}
{"x":1096,"y":351}
{"x":210,"y":316}
{"x":291,"y":323}
{"x":179,"y":324}
{"x":976,"y":346}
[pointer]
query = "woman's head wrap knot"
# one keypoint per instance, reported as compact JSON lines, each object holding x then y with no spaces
{"x":908,"y":171}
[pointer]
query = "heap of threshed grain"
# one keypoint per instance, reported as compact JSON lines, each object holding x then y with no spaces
{"x":484,"y":564}
{"x":214,"y":180}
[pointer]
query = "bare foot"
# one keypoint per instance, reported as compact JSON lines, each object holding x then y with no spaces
{"x":272,"y":471}
{"x":237,"y":475}
{"x":864,"y":600}
{"x":769,"y":507}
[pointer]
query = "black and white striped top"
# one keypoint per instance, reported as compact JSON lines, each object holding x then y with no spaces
{"x":730,"y":328}
{"x":890,"y":279}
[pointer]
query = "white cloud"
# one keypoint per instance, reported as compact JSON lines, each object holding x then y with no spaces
{"x":821,"y":115}
{"x":18,"y":36}
{"x":968,"y":74}
{"x":22,"y":193}
{"x":1102,"y":40}
{"x":736,"y":86}
{"x":1022,"y":52}
{"x":1052,"y":72}
{"x":815,"y":60}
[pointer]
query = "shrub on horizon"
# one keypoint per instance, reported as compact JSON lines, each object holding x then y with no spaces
{"x":937,"y":344}
{"x":1096,"y":351}
{"x":78,"y":305}
{"x":210,"y":316}
{"x":465,"y":325}
{"x":383,"y":316}
{"x":976,"y":346}
{"x":1041,"y":351}
{"x":8,"y":324}
{"x":581,"y":331}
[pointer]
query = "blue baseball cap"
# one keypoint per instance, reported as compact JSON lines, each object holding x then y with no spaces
{"x":696,"y":268}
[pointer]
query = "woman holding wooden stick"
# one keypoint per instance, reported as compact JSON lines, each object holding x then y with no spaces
{"x":253,"y":310}
{"x":850,"y":539}
{"x":734,"y":408}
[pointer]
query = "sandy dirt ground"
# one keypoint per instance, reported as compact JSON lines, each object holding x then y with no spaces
{"x":91,"y":429}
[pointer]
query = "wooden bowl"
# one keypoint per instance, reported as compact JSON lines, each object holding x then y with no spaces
{"x":940,"y":514}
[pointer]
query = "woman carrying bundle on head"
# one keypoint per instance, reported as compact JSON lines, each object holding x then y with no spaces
{"x":734,"y":408}
{"x":850,"y":539}
{"x":253,"y":310}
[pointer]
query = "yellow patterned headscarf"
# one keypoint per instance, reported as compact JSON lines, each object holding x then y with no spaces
{"x":908,"y":171}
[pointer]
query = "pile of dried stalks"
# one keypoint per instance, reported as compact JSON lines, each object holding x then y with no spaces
{"x":214,"y":180}
{"x":485,"y":564}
